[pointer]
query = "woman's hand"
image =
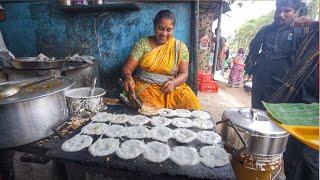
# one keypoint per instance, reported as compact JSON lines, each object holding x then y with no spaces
{"x":129,"y":85}
{"x":127,"y":70}
{"x":182,"y":76}
{"x":168,"y":86}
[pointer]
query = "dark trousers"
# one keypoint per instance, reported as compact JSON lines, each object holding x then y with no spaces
{"x":300,"y":161}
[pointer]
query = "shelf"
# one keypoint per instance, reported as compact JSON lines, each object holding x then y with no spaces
{"x":22,"y":1}
{"x":109,"y":6}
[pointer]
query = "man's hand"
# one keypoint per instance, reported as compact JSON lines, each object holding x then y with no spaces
{"x":303,"y":21}
{"x":129,"y":85}
{"x":168,"y":86}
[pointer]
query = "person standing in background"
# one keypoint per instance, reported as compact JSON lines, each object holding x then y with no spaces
{"x":236,"y":73}
{"x":223,"y":54}
{"x":271,"y":50}
{"x":301,"y":85}
{"x":284,"y":60}
{"x":212,"y":48}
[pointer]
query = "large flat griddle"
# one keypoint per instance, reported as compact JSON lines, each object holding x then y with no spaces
{"x":34,"y":63}
{"x":140,"y":164}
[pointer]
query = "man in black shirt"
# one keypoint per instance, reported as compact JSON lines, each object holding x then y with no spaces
{"x":271,"y":50}
{"x":284,"y":60}
{"x":301,"y":85}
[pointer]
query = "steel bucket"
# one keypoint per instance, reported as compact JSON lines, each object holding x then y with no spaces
{"x":80,"y":99}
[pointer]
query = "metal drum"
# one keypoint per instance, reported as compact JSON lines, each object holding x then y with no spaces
{"x":31,"y":114}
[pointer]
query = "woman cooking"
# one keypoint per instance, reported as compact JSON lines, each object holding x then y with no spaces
{"x":162,"y":62}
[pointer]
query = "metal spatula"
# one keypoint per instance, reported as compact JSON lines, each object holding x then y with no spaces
{"x":135,"y":101}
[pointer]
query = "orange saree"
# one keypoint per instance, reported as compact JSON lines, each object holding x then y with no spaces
{"x":161,"y":60}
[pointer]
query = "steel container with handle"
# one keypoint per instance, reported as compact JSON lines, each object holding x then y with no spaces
{"x":252,"y":131}
{"x":80,"y":99}
{"x":33,"y":112}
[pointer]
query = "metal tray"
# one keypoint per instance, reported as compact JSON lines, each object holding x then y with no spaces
{"x":33,"y":63}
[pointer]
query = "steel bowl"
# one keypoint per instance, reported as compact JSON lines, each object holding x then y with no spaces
{"x":80,"y":99}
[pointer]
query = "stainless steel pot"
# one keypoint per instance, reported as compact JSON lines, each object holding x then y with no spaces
{"x":31,"y":114}
{"x":252,"y":131}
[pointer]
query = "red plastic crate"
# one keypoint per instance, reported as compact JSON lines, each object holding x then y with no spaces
{"x":204,"y":77}
{"x":211,"y":87}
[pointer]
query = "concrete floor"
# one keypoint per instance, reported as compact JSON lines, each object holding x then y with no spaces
{"x":226,"y":98}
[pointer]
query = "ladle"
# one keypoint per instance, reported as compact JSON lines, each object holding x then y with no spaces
{"x":8,"y":90}
{"x":93,"y":85}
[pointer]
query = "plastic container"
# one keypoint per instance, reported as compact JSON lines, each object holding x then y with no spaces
{"x":211,"y":87}
{"x":204,"y":77}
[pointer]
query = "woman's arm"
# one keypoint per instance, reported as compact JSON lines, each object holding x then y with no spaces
{"x":182,"y":73}
{"x":127,"y":71}
{"x":181,"y":78}
{"x":131,"y":64}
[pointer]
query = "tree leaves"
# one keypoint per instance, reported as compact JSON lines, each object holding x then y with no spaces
{"x":246,"y":32}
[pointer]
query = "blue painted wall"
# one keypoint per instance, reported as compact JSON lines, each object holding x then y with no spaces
{"x":41,"y":27}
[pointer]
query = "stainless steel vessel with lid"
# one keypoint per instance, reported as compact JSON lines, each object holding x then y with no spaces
{"x":31,"y":114}
{"x":252,"y":131}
